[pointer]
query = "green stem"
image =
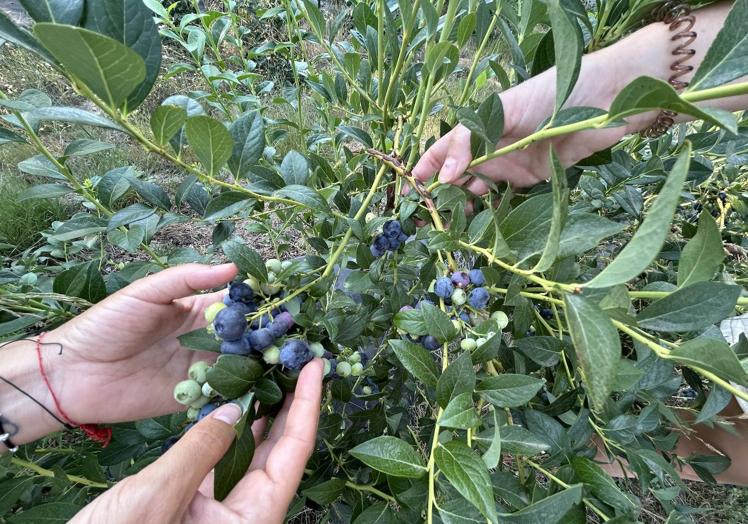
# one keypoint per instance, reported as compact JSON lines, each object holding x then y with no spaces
{"x":564,"y":485}
{"x":603,"y":120}
{"x":49,"y":473}
{"x":372,"y":490}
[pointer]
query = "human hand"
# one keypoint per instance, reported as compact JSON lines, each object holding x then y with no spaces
{"x":121,"y":359}
{"x":178,"y":487}
{"x":528,"y":105}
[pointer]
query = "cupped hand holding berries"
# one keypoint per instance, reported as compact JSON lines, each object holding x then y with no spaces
{"x":178,"y":487}
{"x":121,"y":358}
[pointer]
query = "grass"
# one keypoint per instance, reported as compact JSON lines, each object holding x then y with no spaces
{"x":21,"y":222}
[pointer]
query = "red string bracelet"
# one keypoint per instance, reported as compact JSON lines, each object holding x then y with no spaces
{"x":92,"y":431}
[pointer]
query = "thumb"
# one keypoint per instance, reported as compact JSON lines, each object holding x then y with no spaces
{"x":179,"y":281}
{"x":183,"y":468}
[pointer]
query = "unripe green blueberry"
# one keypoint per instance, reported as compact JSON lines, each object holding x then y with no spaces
{"x":468,"y":344}
{"x":317,"y":348}
{"x":200,"y":402}
{"x":199,"y":371}
{"x":459,"y":297}
{"x":354,"y":357}
{"x":369,"y":217}
{"x":208,"y":391}
{"x":501,"y":319}
{"x":286,"y":264}
{"x":366,"y":390}
{"x":328,"y":367}
{"x":212,"y":310}
{"x":271,"y":355}
{"x":357,"y":369}
{"x":253,"y":283}
{"x":271,"y":277}
{"x":270,"y":289}
{"x":187,"y":392}
{"x":480,"y":341}
{"x":192,"y":414}
{"x":274,"y":265}
{"x":343,"y":369}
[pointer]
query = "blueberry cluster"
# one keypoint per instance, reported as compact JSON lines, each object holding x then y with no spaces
{"x":463,"y":287}
{"x":391,"y":239}
{"x":270,"y":334}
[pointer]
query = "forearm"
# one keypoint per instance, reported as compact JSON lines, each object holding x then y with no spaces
{"x":648,"y":52}
{"x":22,"y":417}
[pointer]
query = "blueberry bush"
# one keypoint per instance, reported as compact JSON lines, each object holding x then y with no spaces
{"x":480,"y":367}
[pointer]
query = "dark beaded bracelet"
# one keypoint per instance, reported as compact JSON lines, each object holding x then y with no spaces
{"x":678,"y":16}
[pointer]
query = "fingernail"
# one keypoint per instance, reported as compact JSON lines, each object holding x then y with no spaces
{"x":228,"y":413}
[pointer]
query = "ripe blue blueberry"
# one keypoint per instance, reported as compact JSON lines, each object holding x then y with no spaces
{"x":430,"y":342}
{"x":393,"y":244}
{"x":546,"y":313}
{"x":260,"y":339}
{"x":465,"y":317}
{"x":476,"y":277}
{"x":392,"y":229}
{"x":443,"y":287}
{"x":206,"y":410}
{"x":460,"y":279}
{"x":379,"y":246}
{"x":236,"y":347}
{"x":281,"y":324}
{"x":295,"y":353}
{"x":403,"y":237}
{"x":240,"y":292}
{"x":478,"y":298}
{"x":230,"y":323}
{"x":261,"y":322}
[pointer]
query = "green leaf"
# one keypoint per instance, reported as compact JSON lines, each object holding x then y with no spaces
{"x":459,"y":377}
{"x":235,"y":463}
{"x":601,"y":485}
{"x":129,"y":22}
{"x":391,"y":456}
{"x":129,"y":214}
{"x":129,"y":239}
{"x":460,"y":413}
{"x":267,"y":391}
{"x":703,"y":254}
{"x":49,"y":513}
{"x":79,"y":226}
{"x":201,"y":340}
{"x":7,"y":136}
{"x":544,"y":351}
{"x":113,"y":186}
{"x":727,"y":57}
{"x":438,"y":323}
{"x":647,"y":94}
{"x":295,"y":169}
{"x":83,"y":281}
{"x":232,"y":375}
{"x":108,"y":68}
{"x":650,"y":237}
{"x":468,"y":474}
{"x":226,"y":204}
{"x":492,"y":456}
{"x":85,"y":146}
{"x":560,"y":210}
{"x":44,"y":191}
{"x":416,"y":360}
{"x":166,"y":121}
{"x":597,"y":345}
{"x":12,"y":33}
{"x":550,"y":510}
{"x":410,"y":321}
{"x":325,"y":493}
{"x":377,"y":513}
{"x":710,"y":355}
{"x":248,"y":133}
{"x":306,"y":196}
{"x":567,"y":43}
{"x":691,"y":308}
{"x":211,"y":142}
{"x":516,"y":440}
{"x":71,"y":115}
{"x":57,"y":11}
{"x":246,"y":259}
{"x":509,"y":390}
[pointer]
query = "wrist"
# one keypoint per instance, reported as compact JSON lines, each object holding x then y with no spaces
{"x":26,"y":419}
